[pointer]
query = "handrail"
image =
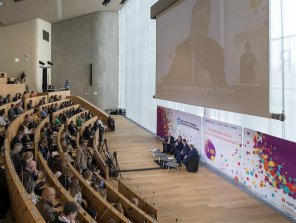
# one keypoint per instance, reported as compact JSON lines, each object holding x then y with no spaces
{"x":143,"y":204}
{"x":23,"y":208}
{"x":91,"y":107}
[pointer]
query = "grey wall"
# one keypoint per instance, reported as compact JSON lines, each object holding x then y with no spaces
{"x":76,"y":44}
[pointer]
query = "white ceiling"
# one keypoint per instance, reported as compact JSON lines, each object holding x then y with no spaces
{"x":51,"y":10}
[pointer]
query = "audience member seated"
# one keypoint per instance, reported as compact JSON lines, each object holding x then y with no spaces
{"x":168,"y":143}
{"x":42,"y":101}
{"x":33,"y":94}
{"x":30,"y":105}
{"x":6,"y":100}
{"x":43,"y":148}
{"x":17,"y":139}
{"x":135,"y":201}
{"x":45,"y":205}
{"x":118,"y":207}
{"x":81,"y":156}
{"x":69,"y":213}
{"x":3,"y":119}
{"x":11,"y":113}
{"x":75,"y":191}
{"x":43,"y":113}
{"x":18,"y":109}
{"x":25,"y":95}
{"x":66,"y":178}
{"x":72,"y":129}
{"x":87,"y":175}
{"x":17,"y":97}
{"x":88,"y":134}
{"x":18,"y":162}
{"x":111,"y":124}
{"x":30,"y":189}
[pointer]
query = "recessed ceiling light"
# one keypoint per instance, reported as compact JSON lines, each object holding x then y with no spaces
{"x":1,"y":4}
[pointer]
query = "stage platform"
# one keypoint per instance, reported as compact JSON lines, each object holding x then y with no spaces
{"x":188,"y":197}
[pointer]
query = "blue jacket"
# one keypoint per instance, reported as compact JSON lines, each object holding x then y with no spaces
{"x":185,"y":149}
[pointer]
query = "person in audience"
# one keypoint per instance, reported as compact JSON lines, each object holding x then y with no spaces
{"x":1,"y":100}
{"x":135,"y":201}
{"x":78,"y":122}
{"x":103,"y":192}
{"x":43,"y":113}
{"x":45,"y":205}
{"x":16,"y":97}
{"x":30,"y":105}
{"x":75,"y":191}
{"x":89,"y":116}
{"x":6,"y":100}
{"x":111,"y":124}
{"x":67,"y":85}
{"x":25,"y":95}
{"x":72,"y":129}
{"x":30,"y":173}
{"x":118,"y":207}
{"x":191,"y":154}
{"x":185,"y":150}
{"x":18,"y":110}
{"x":178,"y":149}
{"x":81,"y":160}
{"x":18,"y":162}
{"x":27,"y":157}
{"x":33,"y":94}
{"x":66,"y":178}
{"x":17,"y":139}
{"x":3,"y":119}
{"x":87,"y":134}
{"x":11,"y":113}
{"x":43,"y":148}
{"x":69,"y":213}
{"x":30,"y":187}
{"x":168,"y":143}
{"x":87,"y":175}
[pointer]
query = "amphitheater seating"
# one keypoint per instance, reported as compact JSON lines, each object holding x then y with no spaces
{"x":22,"y":206}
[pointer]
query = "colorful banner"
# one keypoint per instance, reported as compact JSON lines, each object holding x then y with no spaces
{"x":179,"y":123}
{"x":269,"y":169}
{"x":222,"y":147}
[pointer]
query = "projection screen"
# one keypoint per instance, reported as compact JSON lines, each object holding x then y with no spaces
{"x":215,"y":53}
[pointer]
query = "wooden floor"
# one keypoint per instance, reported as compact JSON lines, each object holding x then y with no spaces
{"x":188,"y":197}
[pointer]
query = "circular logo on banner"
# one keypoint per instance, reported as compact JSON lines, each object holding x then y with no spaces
{"x":178,"y":121}
{"x":210,"y":150}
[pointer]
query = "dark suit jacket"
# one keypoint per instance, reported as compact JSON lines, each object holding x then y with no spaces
{"x":185,"y":149}
{"x":181,"y":69}
{"x":72,"y":129}
{"x":192,"y":154}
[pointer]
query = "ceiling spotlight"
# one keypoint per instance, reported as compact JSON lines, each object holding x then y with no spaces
{"x":41,"y":63}
{"x":49,"y":63}
{"x":106,"y":2}
{"x":1,"y":4}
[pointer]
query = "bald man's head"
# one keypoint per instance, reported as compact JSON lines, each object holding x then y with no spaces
{"x":49,"y":194}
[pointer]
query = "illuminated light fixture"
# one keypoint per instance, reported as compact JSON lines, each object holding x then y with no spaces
{"x":1,"y":4}
{"x":85,"y":93}
{"x":17,"y":60}
{"x":95,"y":93}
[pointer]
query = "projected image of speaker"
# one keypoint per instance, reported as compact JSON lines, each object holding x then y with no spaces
{"x":214,"y":54}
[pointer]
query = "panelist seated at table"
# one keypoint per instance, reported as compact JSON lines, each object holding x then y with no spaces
{"x":192,"y":154}
{"x":178,"y":148}
{"x":185,"y":150}
{"x":168,"y":143}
